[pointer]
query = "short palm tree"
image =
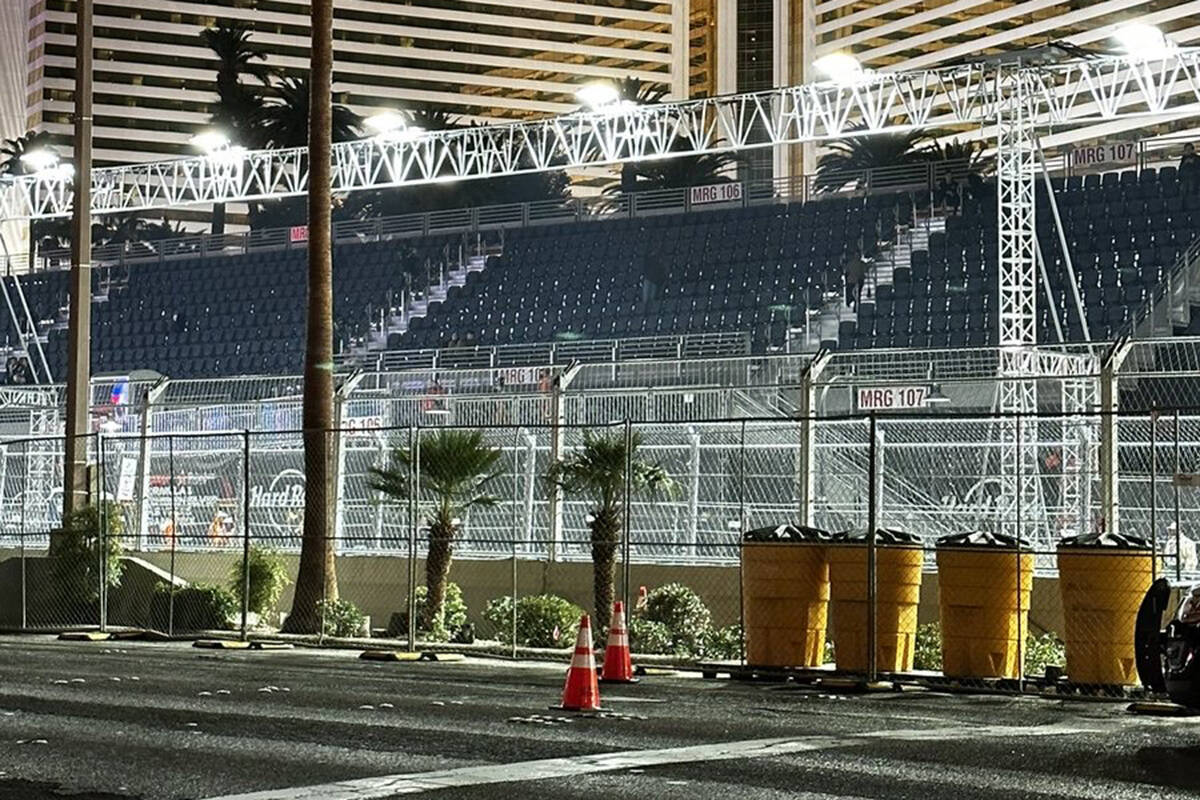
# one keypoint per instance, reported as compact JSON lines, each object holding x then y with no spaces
{"x":876,"y":151}
{"x":283,"y":119}
{"x":454,"y":468}
{"x":597,"y":471}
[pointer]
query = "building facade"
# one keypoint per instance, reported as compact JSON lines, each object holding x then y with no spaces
{"x":492,"y":60}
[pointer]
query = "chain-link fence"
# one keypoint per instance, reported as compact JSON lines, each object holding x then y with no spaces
{"x":498,"y":538}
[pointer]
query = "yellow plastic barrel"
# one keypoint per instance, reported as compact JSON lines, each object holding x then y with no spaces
{"x":984,"y":614}
{"x":1103,"y":579}
{"x":897,"y":592}
{"x":785,"y":596}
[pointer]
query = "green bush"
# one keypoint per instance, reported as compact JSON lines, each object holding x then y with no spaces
{"x":684,"y":615}
{"x":927,"y":652}
{"x":454,"y":616}
{"x":198,"y":607}
{"x":723,"y":643}
{"x":544,"y":620}
{"x":341,"y":618}
{"x":268,"y":578}
{"x":649,"y":637}
{"x":1043,"y":651}
{"x":1040,"y":651}
{"x":827,"y":654}
{"x":76,"y":552}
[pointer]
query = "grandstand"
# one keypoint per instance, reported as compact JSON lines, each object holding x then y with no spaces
{"x":764,"y":267}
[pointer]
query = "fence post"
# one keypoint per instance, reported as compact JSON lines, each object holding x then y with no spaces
{"x":174,"y":535}
{"x":102,"y":538}
{"x":872,"y":526}
{"x":1020,"y":436}
{"x":245,"y":530}
{"x":627,"y":548}
{"x":24,"y":502}
{"x":1154,"y":493}
{"x":1175,"y":489}
{"x":414,"y":467}
{"x":516,"y":516}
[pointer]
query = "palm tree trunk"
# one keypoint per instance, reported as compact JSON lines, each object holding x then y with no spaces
{"x":437,"y":571}
{"x":606,"y":535}
{"x":317,"y":579}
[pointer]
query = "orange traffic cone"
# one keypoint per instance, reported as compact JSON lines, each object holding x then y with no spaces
{"x":618,"y":663}
{"x":581,"y":691}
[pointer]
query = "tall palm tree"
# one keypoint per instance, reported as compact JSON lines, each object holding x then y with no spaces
{"x":316,"y":579}
{"x":597,"y":471}
{"x":237,"y":56}
{"x":857,"y":153}
{"x":237,"y":104}
{"x":453,"y":469}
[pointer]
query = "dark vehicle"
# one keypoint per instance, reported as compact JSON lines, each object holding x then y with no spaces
{"x":1168,"y":660}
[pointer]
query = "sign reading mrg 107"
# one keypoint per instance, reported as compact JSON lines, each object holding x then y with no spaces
{"x":892,"y":398}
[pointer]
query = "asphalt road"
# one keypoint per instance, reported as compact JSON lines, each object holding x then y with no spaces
{"x":104,"y":721}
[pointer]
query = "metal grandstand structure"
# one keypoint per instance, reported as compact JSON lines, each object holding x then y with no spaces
{"x":1018,"y":96}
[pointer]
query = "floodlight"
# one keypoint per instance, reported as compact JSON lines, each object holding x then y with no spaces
{"x":41,"y":159}
{"x":385,"y":121}
{"x":1141,"y":41}
{"x":841,"y":68}
{"x":210,"y":141}
{"x":598,"y":95}
{"x":392,"y":126}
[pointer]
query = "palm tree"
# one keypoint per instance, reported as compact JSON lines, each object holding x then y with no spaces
{"x":597,"y":470}
{"x":237,"y":105}
{"x":316,"y":579}
{"x":675,"y":173}
{"x":453,"y":470}
{"x":283,"y":119}
{"x":51,"y":232}
{"x":847,"y":157}
{"x":969,"y":154}
{"x":638,"y":92}
{"x":236,"y":56}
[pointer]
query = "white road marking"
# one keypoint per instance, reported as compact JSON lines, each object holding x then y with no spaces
{"x":385,"y":786}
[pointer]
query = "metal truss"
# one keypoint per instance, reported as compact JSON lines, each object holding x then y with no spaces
{"x":1089,"y":90}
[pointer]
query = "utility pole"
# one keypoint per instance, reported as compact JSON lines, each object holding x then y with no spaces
{"x":79,"y":331}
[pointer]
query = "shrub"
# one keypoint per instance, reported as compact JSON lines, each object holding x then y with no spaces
{"x":341,"y":618}
{"x":927,"y":652}
{"x":684,"y":615}
{"x":723,"y":643}
{"x":76,"y":552}
{"x":827,"y":654}
{"x":1043,"y":651}
{"x":199,"y":607}
{"x":544,"y":620}
{"x":268,"y":578}
{"x":454,"y":616}
{"x":649,"y":637}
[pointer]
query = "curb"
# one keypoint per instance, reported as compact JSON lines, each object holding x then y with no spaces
{"x":404,"y":655}
{"x":221,"y":644}
{"x":84,"y":636}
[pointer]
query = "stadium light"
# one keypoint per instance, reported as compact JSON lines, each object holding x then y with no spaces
{"x":1144,"y":42}
{"x":598,"y":95}
{"x":391,"y":126}
{"x":210,"y":141}
{"x":841,"y":68}
{"x":42,"y":159}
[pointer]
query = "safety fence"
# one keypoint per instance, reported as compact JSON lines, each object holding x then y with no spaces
{"x":678,"y":514}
